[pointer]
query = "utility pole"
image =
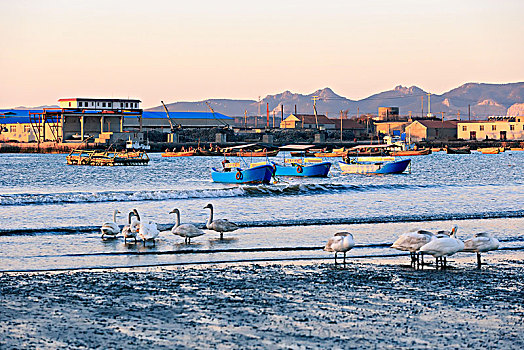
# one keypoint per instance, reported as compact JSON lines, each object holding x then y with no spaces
{"x":245,"y":119}
{"x":273,"y":119}
{"x":422,"y":105}
{"x":267,"y":115}
{"x":469,"y":112}
{"x":458,"y":115}
{"x":256,"y":118}
{"x":429,"y":104}
{"x":358,"y":112}
{"x":442,"y":126}
{"x":315,"y":98}
{"x":340,"y":126}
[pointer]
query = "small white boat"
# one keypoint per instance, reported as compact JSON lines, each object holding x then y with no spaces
{"x":135,"y":144}
{"x":374,"y":165}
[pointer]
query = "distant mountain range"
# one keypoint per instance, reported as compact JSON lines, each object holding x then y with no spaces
{"x":484,"y":99}
{"x":37,"y":107}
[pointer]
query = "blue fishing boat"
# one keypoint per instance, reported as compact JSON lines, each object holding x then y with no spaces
{"x":295,"y":167}
{"x":374,"y":165}
{"x":305,"y":167}
{"x":232,"y":173}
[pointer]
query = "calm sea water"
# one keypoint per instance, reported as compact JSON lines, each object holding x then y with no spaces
{"x":51,"y":212}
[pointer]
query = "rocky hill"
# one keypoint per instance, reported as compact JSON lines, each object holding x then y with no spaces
{"x":484,"y":99}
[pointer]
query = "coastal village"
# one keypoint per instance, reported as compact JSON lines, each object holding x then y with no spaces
{"x":92,"y":123}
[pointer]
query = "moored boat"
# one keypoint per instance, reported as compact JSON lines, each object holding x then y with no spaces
{"x":107,"y":158}
{"x":178,"y":154}
{"x":374,"y":165}
{"x":307,"y":167}
{"x":412,"y":152}
{"x":303,"y":167}
{"x":255,"y":153}
{"x":338,"y":152}
{"x":232,"y":173}
{"x":489,"y":150}
{"x":368,"y":150}
{"x":137,"y":145}
{"x":250,"y":150}
{"x":458,"y":150}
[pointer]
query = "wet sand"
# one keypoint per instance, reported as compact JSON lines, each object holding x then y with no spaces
{"x":295,"y":305}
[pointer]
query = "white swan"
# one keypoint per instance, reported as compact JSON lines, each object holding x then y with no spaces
{"x":111,"y":228}
{"x":340,"y":242}
{"x":480,"y":243}
{"x":443,"y":246}
{"x":412,"y":242}
{"x":131,"y":229}
{"x":219,"y":225}
{"x":147,"y":231}
{"x":185,"y":230}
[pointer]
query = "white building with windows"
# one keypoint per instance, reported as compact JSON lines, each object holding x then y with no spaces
{"x":99,"y":103}
{"x":495,"y":128}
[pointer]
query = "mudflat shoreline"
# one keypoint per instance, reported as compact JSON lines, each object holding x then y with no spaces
{"x":309,"y":305}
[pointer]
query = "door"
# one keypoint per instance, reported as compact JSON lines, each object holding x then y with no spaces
{"x":472,"y":135}
{"x":502,"y":135}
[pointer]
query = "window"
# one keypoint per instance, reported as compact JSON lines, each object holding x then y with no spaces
{"x":27,"y":128}
{"x":512,"y":127}
{"x":12,"y":128}
{"x":69,"y":104}
{"x":103,"y":104}
{"x":79,"y":104}
{"x":464,"y":128}
{"x":493,"y":127}
{"x":482,"y":128}
{"x":127,"y":104}
{"x":109,"y":104}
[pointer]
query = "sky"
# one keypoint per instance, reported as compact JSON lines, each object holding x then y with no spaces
{"x":194,"y":50}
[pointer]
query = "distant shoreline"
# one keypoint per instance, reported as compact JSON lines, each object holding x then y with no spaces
{"x":64,"y":148}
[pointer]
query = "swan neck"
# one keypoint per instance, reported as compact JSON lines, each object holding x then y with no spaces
{"x":177,"y":222}
{"x":210,"y":219}
{"x":114,"y":216}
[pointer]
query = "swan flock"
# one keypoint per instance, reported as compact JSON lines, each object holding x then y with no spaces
{"x":148,"y":231}
{"x":440,"y":245}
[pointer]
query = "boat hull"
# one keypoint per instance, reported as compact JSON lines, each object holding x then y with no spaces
{"x":396,"y":167}
{"x":178,"y":154}
{"x":490,"y":150}
{"x":329,"y":154}
{"x":252,"y":154}
{"x":458,"y":150}
{"x":313,"y":170}
{"x":422,"y":152}
{"x":257,"y":174}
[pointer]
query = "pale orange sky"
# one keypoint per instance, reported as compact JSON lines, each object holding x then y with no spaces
{"x":184,"y":51}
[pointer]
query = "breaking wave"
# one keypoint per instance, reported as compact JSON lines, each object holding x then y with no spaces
{"x":148,"y":195}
